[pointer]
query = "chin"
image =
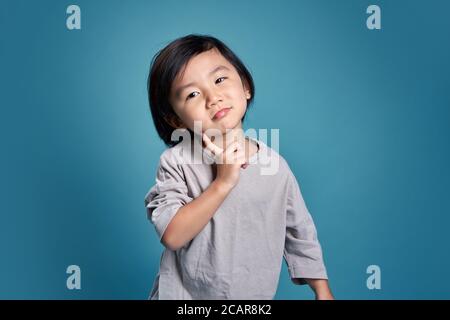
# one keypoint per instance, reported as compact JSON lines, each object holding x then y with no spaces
{"x":228,"y":126}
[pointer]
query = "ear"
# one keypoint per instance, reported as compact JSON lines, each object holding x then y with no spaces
{"x":248,"y":95}
{"x":174,"y":122}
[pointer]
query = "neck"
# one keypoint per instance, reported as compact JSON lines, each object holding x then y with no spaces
{"x":237,"y":133}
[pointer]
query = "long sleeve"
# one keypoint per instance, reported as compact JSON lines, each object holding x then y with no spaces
{"x":302,"y":252}
{"x":168,"y":194}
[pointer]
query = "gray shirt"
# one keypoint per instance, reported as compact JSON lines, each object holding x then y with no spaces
{"x":239,"y":253}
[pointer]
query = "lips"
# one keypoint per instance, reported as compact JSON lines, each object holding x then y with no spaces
{"x":221,"y":113}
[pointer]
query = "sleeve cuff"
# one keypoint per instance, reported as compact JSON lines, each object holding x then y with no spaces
{"x":299,"y":273}
{"x":161,"y":218}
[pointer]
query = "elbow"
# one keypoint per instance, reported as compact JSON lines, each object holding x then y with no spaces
{"x":170,"y":243}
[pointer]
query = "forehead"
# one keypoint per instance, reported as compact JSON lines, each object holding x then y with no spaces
{"x":201,"y":64}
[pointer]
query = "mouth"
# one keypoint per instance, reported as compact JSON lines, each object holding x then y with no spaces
{"x":221,"y":113}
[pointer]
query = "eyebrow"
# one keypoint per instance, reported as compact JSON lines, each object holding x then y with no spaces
{"x":180,"y":89}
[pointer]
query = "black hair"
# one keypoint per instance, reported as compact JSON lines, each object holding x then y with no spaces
{"x":166,"y":65}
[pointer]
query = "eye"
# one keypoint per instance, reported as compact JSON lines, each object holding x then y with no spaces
{"x":191,"y":95}
{"x":221,"y":79}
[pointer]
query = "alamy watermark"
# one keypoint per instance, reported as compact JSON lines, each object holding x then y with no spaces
{"x":74,"y":280}
{"x":193,"y":152}
{"x":73,"y":22}
{"x":374,"y":20}
{"x":374,"y":280}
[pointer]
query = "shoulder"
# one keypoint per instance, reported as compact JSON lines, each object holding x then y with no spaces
{"x":169,"y":155}
{"x":169,"y":164}
{"x":176,"y":155}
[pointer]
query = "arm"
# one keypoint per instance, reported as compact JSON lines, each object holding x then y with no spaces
{"x":176,"y":216}
{"x":320,"y":288}
{"x":303,"y":251}
{"x":192,"y":217}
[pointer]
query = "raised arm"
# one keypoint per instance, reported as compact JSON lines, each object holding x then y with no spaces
{"x":191,"y":218}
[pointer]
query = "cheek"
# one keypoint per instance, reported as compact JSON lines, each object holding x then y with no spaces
{"x":195,"y":112}
{"x":238,"y":92}
{"x":239,"y":96}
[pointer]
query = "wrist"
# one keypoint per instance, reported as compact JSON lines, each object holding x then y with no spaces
{"x":222,"y":186}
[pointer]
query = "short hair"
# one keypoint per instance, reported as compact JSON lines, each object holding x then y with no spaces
{"x":166,"y":65}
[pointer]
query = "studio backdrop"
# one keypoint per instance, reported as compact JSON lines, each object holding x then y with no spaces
{"x":359,"y":91}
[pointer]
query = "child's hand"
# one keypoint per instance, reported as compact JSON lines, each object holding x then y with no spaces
{"x":228,"y":161}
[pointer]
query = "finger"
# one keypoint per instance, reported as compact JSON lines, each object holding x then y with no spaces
{"x":232,"y":148}
{"x":229,"y":155}
{"x":211,"y":146}
{"x":241,"y":159}
{"x":237,"y":158}
{"x":234,"y":141}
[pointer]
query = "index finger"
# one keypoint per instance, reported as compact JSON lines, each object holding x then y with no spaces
{"x":211,"y":146}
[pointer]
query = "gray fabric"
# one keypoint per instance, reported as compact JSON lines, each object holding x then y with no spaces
{"x":239,"y":253}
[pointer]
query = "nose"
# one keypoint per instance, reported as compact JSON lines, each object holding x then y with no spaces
{"x":213,"y":97}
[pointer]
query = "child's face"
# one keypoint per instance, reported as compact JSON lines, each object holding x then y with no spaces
{"x":209,"y":83}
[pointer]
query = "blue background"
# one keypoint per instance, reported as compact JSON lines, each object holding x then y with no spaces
{"x":363,"y":118}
